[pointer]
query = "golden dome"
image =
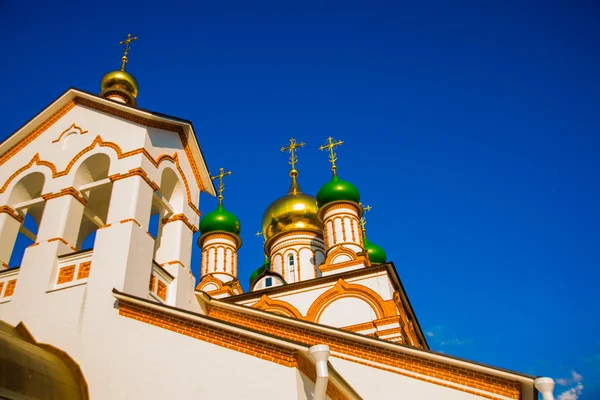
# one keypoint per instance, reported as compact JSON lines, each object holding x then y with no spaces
{"x":295,"y":211}
{"x":119,"y":81}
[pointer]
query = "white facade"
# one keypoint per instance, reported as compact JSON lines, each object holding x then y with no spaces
{"x":126,"y":309}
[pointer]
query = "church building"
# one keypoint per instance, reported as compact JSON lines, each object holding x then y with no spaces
{"x":123,"y":317}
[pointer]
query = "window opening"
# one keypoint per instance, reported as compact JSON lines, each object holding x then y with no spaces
{"x":268,"y":282}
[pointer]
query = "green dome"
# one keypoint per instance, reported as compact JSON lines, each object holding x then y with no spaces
{"x":337,"y":189}
{"x":220,"y":220}
{"x":376,"y":254}
{"x":259,"y":271}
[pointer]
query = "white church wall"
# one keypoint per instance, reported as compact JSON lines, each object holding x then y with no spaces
{"x":376,"y":384}
{"x":347,"y":311}
{"x":164,"y":364}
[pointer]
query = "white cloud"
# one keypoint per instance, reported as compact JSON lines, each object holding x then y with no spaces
{"x":429,"y":333}
{"x":575,"y":378}
{"x":573,"y":393}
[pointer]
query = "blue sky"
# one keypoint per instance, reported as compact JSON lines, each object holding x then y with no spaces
{"x":471,"y":128}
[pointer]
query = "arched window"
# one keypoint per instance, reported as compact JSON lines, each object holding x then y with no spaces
{"x":25,"y":198}
{"x":291,"y":269}
{"x":91,"y":179}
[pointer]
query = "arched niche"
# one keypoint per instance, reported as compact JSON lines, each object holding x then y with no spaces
{"x":91,"y":177}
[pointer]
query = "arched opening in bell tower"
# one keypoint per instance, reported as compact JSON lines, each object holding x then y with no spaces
{"x":91,"y":179}
{"x":25,"y":199}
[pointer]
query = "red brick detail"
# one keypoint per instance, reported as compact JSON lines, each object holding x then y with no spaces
{"x":386,"y":359}
{"x":152,"y":283}
{"x":162,"y":290}
{"x":65,"y":274}
{"x":10,"y":288}
{"x":208,"y":333}
{"x":84,"y":270}
{"x":1,"y":287}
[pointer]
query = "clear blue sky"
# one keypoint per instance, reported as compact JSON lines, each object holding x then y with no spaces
{"x":472,"y":128}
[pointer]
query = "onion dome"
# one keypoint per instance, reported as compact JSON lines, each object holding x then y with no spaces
{"x":292,"y":212}
{"x":257,"y":272}
{"x":220,"y":220}
{"x":337,"y":190}
{"x":376,"y":253}
{"x":119,"y":84}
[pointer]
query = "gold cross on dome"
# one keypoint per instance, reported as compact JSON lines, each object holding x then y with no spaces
{"x":221,"y":185}
{"x":363,"y":220}
{"x":292,"y":149}
{"x":332,"y":156}
{"x":126,"y":42}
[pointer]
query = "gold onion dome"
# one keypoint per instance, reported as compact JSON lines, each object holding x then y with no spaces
{"x":120,"y":84}
{"x":121,"y":81}
{"x":295,"y":211}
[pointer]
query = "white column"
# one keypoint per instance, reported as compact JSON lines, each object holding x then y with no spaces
{"x":123,"y":249}
{"x":9,"y":230}
{"x":61,"y":219}
{"x":174,"y":254}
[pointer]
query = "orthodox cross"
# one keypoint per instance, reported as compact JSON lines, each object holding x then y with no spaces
{"x":126,"y":42}
{"x":292,"y":149}
{"x":259,"y":234}
{"x":332,"y":156}
{"x":221,"y":185}
{"x":363,"y":221}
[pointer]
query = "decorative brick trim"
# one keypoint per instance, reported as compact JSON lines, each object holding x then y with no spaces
{"x":59,"y":239}
{"x":395,"y":319}
{"x":10,"y":288}
{"x":161,"y":290}
{"x":152,"y":283}
{"x":277,"y":306}
{"x":124,"y":221}
{"x":150,"y":123}
{"x":69,"y":129}
{"x":70,"y":191}
{"x":35,"y":160}
{"x":340,"y":205}
{"x":342,"y":290}
{"x":12,"y":212}
{"x":1,"y":287}
{"x":84,"y":270}
{"x":36,"y":132}
{"x":359,"y":327}
{"x":135,"y":172}
{"x":377,"y":357}
{"x":172,"y":262}
{"x":182,"y":218}
{"x":207,"y":333}
{"x":120,"y":154}
{"x":65,"y":274}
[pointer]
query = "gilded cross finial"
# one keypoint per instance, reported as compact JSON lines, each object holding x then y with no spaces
{"x":292,"y":149}
{"x":363,"y":220}
{"x":332,"y":156}
{"x":220,"y":177}
{"x":260,"y":234}
{"x":126,"y":42}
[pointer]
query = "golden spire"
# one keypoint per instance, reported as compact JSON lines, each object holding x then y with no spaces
{"x":363,"y":220}
{"x":221,"y":185}
{"x":294,"y":189}
{"x":332,"y":156}
{"x":126,"y":42}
